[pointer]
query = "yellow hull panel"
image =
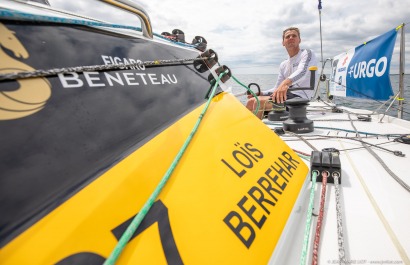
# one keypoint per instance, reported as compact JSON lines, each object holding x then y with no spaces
{"x":227,"y":201}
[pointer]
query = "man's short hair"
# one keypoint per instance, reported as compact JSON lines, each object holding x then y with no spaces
{"x":288,"y":29}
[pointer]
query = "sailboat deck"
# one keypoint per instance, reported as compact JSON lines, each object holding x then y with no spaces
{"x":374,"y":206}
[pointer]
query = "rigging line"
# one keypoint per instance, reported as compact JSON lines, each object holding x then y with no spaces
{"x":397,"y":153}
{"x":378,"y":211}
{"x":176,"y":42}
{"x":334,"y":120}
{"x":384,"y":114}
{"x":367,"y":97}
{"x":347,"y":149}
{"x":302,"y":153}
{"x":374,"y":112}
{"x":147,"y":206}
{"x":321,"y":47}
{"x":327,"y":104}
{"x":344,"y":110}
{"x":343,"y":130}
{"x":101,"y":67}
{"x":320,"y":219}
{"x":303,"y":139}
{"x":361,"y":132}
{"x":315,"y":173}
{"x":307,"y":158}
{"x":340,"y":238}
{"x":253,"y":94}
{"x":399,"y":180}
{"x":320,"y":23}
{"x":362,"y":147}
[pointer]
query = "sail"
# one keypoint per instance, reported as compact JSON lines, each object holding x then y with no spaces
{"x":363,"y":72}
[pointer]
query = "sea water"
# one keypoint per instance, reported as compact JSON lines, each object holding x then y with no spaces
{"x":266,"y":81}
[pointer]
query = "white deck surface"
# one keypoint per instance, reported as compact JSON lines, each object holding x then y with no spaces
{"x":375,"y":207}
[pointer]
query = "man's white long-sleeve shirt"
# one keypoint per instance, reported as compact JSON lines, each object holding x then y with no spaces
{"x":296,"y":69}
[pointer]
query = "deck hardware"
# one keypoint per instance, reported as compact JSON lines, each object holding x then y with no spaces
{"x":210,"y":58}
{"x":326,"y":161}
{"x":298,"y":122}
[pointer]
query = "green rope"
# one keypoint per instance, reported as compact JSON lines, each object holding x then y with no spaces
{"x":253,"y":94}
{"x":308,"y":219}
{"x":140,"y":216}
{"x":307,"y":158}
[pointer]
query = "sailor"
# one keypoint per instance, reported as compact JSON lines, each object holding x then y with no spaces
{"x":293,"y":72}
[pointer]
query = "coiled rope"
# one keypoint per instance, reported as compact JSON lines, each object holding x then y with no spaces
{"x":147,"y":206}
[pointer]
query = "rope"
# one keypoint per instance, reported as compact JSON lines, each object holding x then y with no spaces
{"x":319,"y":7}
{"x":303,"y":139}
{"x":103,"y":67}
{"x":338,"y":120}
{"x":360,"y":132}
{"x":253,"y":94}
{"x":340,"y":238}
{"x":321,"y":48}
{"x":400,"y":249}
{"x":396,"y":153}
{"x":366,"y":145}
{"x":308,"y":219}
{"x":302,"y":153}
{"x":319,"y":220}
{"x":344,"y":130}
{"x":369,"y":98}
{"x":142,"y":213}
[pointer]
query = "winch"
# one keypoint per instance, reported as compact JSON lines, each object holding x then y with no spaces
{"x":297,"y":122}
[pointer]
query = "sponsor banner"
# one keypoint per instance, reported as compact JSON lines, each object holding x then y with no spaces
{"x":363,"y":72}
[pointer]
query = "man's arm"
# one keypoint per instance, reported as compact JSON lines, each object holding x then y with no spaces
{"x":299,"y":78}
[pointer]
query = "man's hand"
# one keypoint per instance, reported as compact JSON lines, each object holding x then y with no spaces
{"x":279,"y":95}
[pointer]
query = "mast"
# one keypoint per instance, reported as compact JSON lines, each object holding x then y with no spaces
{"x":320,"y":23}
{"x":401,"y":71}
{"x":319,"y":7}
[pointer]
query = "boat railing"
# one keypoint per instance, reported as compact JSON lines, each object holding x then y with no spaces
{"x":135,"y":9}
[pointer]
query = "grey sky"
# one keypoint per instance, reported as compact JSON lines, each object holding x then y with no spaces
{"x":246,"y":34}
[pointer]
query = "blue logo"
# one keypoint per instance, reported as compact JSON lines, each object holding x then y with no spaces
{"x":368,"y":74}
